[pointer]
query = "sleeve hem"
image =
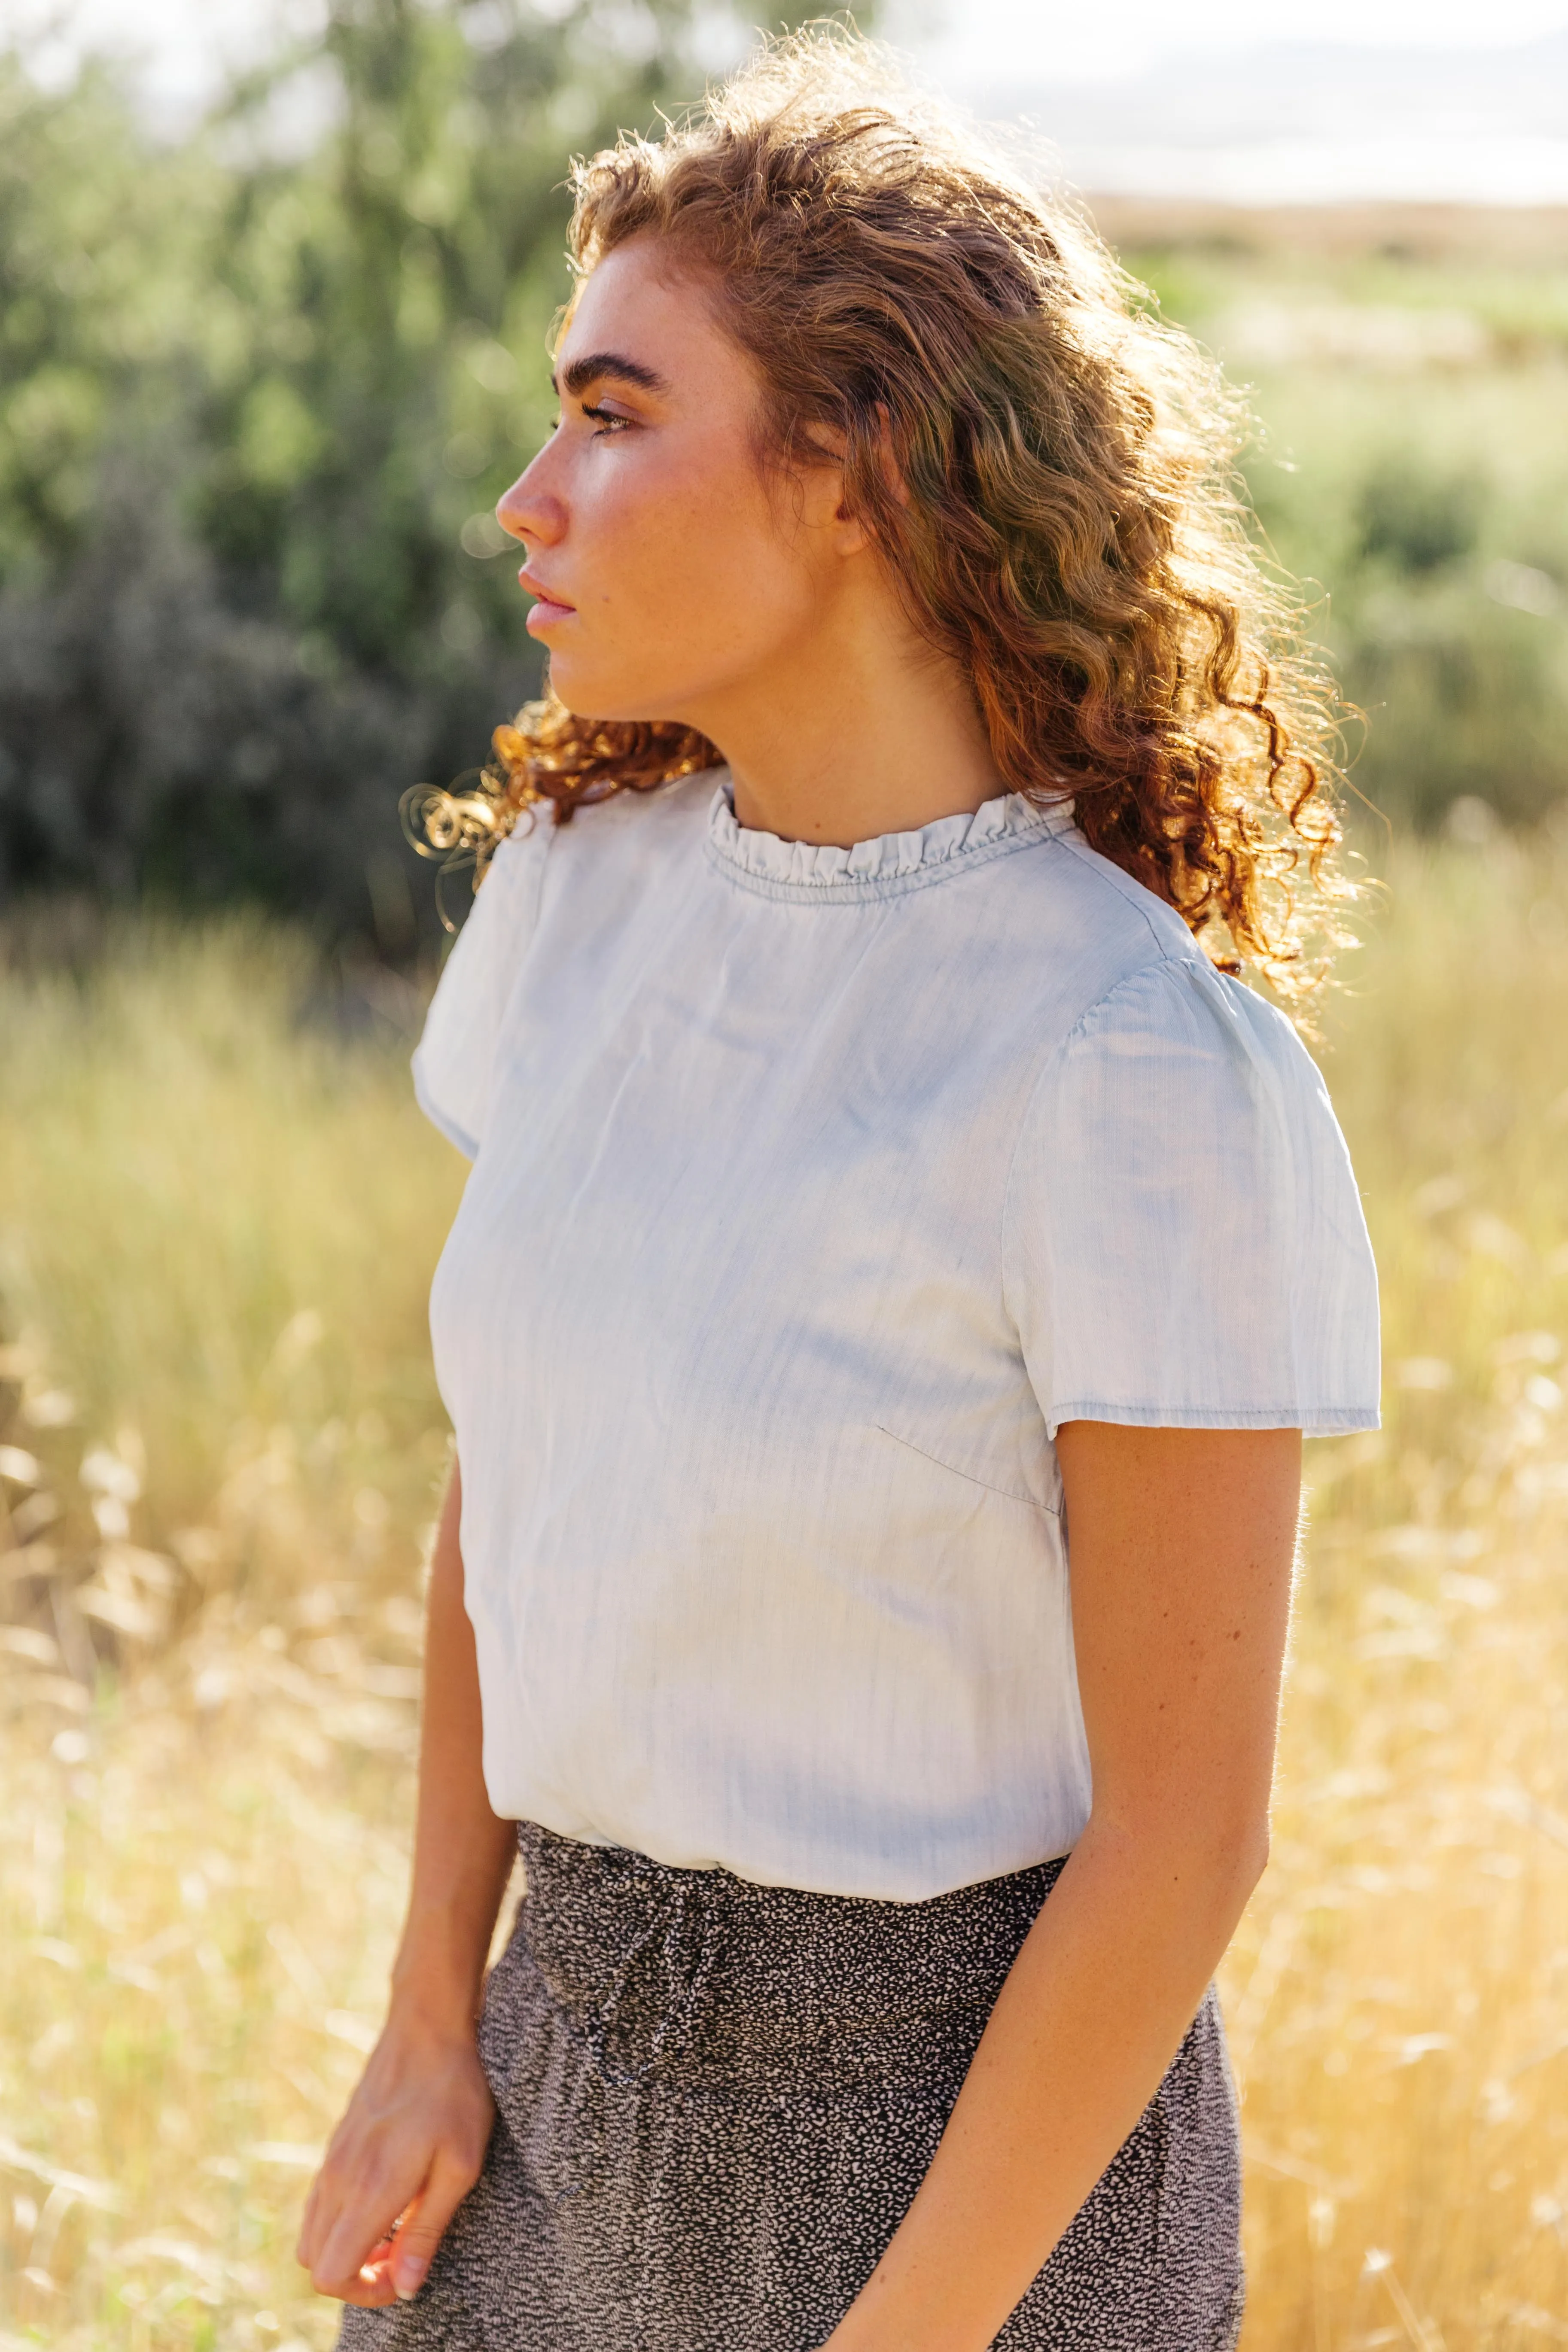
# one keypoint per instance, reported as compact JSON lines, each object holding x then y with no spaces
{"x":438,"y":1117}
{"x":1312,"y":1421}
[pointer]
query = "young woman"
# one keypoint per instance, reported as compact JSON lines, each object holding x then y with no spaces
{"x":898,"y":1266}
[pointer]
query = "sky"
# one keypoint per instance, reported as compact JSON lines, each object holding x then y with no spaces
{"x":1254,"y":101}
{"x":1040,"y":39}
{"x":1269,"y":102}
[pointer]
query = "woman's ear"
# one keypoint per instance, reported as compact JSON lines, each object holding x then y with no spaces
{"x":830,"y":448}
{"x":821,"y":493}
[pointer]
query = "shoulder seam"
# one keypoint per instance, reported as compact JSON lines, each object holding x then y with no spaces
{"x":1112,"y":877}
{"x":1165,"y":960}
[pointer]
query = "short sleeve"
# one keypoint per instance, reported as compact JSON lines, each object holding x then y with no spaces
{"x":455,"y":1053}
{"x":1183,"y":1240}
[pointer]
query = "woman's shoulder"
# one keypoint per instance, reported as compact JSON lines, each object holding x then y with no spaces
{"x":1183,"y":1238}
{"x":605,"y":853}
{"x":1071,"y":945}
{"x":636,"y":825}
{"x":1141,"y":972}
{"x":1178,"y":1045}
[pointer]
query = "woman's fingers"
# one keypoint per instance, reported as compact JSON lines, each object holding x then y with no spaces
{"x":321,"y":2212}
{"x":325,"y":2198}
{"x":373,"y":2286}
{"x":304,"y":2245}
{"x":409,"y":2148}
{"x":424,"y":2224}
{"x":366,"y":2212}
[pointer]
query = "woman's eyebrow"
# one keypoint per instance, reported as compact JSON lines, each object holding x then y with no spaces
{"x":596,"y":365}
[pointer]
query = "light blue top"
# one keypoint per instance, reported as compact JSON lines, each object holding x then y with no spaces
{"x":812,"y":1190}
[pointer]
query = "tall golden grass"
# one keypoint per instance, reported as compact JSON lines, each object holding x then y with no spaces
{"x":218,"y":1212}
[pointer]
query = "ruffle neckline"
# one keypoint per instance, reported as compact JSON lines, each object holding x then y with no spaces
{"x":890,"y":857}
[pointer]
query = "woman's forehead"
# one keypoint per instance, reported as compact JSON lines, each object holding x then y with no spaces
{"x":643,"y":303}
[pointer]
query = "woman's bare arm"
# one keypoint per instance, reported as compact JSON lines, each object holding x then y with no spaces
{"x":1183,"y":1545}
{"x":413,"y":2138}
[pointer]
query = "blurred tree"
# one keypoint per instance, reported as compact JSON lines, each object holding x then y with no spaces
{"x":1453,"y":648}
{"x":1417,"y":519}
{"x":256,"y":407}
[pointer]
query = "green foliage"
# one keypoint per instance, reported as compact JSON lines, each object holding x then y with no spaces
{"x":258,"y":406}
{"x":1417,"y":520}
{"x":402,"y":279}
{"x":1433,"y":519}
{"x":1411,"y":471}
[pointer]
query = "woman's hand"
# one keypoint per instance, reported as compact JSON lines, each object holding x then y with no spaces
{"x":409,"y":2148}
{"x":413,"y":2141}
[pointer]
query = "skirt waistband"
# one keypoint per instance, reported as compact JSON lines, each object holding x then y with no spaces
{"x":635,"y":1955}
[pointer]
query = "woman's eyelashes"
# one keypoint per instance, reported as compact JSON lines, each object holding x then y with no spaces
{"x":605,"y":420}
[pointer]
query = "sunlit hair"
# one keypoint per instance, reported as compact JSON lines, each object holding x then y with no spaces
{"x":1048,"y":467}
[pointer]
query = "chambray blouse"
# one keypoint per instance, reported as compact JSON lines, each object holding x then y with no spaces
{"x":813,"y":1189}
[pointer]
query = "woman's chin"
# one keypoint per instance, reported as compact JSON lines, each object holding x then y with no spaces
{"x":611,"y":699}
{"x":576,"y":684}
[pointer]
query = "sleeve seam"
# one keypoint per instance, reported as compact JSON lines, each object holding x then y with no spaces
{"x":1163,"y":962}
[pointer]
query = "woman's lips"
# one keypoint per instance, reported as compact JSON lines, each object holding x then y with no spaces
{"x":549,"y":606}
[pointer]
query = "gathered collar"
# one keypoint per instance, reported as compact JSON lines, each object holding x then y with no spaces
{"x":871,"y":870}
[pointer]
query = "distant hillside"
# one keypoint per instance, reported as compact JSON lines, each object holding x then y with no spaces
{"x":1512,"y":236}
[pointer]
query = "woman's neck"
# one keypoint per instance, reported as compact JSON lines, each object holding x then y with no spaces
{"x":863,"y":730}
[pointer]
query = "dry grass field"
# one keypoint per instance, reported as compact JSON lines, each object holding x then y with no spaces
{"x":218,"y":1211}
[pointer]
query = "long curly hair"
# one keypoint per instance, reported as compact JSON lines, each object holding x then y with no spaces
{"x":1048,"y":467}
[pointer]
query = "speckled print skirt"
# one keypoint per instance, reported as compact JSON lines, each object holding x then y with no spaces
{"x":716,"y":2102}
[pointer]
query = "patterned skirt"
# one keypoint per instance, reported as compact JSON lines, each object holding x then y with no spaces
{"x":716,"y":2101}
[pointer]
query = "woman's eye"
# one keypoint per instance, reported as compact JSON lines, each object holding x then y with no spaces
{"x":606,"y":419}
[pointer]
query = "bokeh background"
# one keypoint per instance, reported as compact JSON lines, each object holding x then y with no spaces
{"x":274,"y":286}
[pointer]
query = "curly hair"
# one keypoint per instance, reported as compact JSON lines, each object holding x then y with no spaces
{"x":1060,"y":510}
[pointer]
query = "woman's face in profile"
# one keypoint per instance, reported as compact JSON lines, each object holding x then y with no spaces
{"x":673,"y":572}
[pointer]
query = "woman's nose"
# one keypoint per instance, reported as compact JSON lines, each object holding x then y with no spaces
{"x":531,"y":511}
